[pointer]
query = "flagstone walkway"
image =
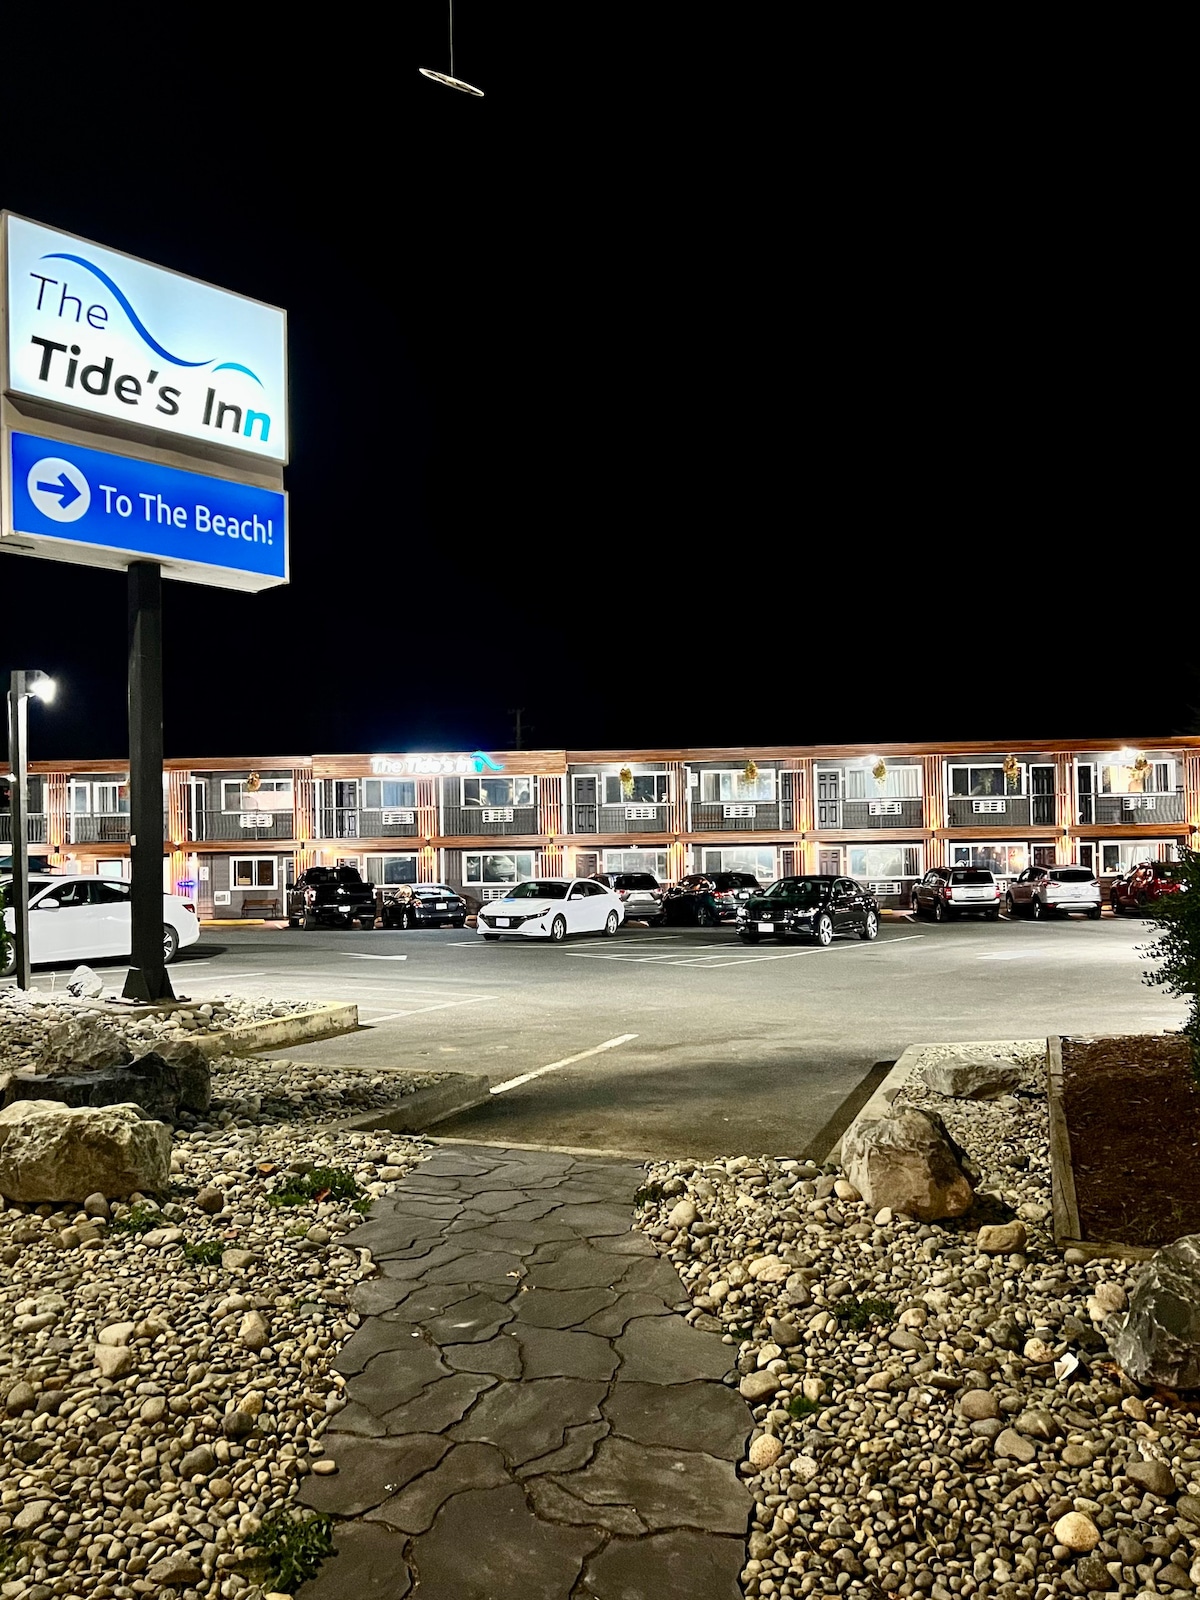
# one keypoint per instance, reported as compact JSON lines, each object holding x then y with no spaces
{"x":529,"y":1417}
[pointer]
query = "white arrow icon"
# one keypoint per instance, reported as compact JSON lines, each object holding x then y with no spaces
{"x":58,"y":489}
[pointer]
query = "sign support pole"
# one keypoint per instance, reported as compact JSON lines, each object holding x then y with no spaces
{"x":18,"y":703}
{"x":147,"y":979}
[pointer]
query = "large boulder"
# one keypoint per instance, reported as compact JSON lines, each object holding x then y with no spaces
{"x":907,"y":1161}
{"x":55,"y":1152}
{"x":1157,"y":1341}
{"x":83,"y":1044}
{"x":162,"y":1088}
{"x":195,"y":1074}
{"x":965,"y":1077}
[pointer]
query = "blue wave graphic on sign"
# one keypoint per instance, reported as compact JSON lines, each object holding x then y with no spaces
{"x":123,"y":301}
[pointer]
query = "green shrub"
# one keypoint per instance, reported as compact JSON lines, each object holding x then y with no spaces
{"x":857,"y":1314}
{"x":140,"y":1220}
{"x":798,"y":1406}
{"x":323,"y":1183}
{"x":1177,"y":947}
{"x":206,"y":1254}
{"x":293,"y":1545}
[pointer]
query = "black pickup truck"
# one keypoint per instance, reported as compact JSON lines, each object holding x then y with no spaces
{"x":335,"y":896}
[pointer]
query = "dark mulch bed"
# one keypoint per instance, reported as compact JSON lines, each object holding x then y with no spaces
{"x":1133,"y":1114}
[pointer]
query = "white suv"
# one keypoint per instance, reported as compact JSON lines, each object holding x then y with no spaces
{"x":1047,"y":891}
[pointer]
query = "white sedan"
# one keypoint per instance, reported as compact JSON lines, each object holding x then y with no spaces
{"x":85,"y":918}
{"x":551,"y":908}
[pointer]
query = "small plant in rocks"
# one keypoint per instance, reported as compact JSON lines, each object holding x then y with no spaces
{"x":859,"y":1314}
{"x":800,"y":1406}
{"x":649,"y":1194}
{"x":1177,"y":947}
{"x":322,"y":1183}
{"x":292,"y":1546}
{"x":140,"y":1219}
{"x":207,"y":1253}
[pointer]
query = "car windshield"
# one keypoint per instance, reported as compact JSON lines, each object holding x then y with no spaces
{"x":1071,"y":875}
{"x":538,"y":889}
{"x":1166,"y":869}
{"x":348,"y":875}
{"x":971,"y":877}
{"x":634,"y":880}
{"x":798,"y":891}
{"x":735,"y":880}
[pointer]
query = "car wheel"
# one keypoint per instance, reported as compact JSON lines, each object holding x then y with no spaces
{"x":558,"y":930}
{"x":870,"y":927}
{"x":1010,"y":905}
{"x":457,"y":923}
{"x":992,"y":916}
{"x":748,"y":935}
{"x":405,"y":919}
{"x":8,"y":958}
{"x":491,"y":936}
{"x":170,"y":944}
{"x":612,"y":923}
{"x":367,"y":924}
{"x":1141,"y":904}
{"x":1116,"y":905}
{"x":1036,"y":909}
{"x":706,"y":917}
{"x":293,"y":922}
{"x":1094,"y":914}
{"x":939,"y":911}
{"x":823,"y":932}
{"x":307,"y":921}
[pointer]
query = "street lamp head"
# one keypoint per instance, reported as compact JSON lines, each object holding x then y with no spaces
{"x":41,"y":685}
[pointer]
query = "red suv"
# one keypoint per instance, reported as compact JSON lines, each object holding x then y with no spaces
{"x":1148,"y":882}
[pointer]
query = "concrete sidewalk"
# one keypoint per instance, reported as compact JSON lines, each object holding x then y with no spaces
{"x":530,"y":1417}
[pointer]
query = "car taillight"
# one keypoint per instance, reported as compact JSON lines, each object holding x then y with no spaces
{"x":188,"y":906}
{"x":723,"y":894}
{"x":947,"y":892}
{"x":996,"y":891}
{"x":622,"y":894}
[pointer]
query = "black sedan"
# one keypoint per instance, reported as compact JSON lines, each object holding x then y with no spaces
{"x":424,"y":905}
{"x":817,"y":908}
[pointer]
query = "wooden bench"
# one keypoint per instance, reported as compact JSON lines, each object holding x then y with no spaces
{"x":265,"y":906}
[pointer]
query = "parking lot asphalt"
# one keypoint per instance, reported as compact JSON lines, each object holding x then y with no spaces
{"x":680,"y":1041}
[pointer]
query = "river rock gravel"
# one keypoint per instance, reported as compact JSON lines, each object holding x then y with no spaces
{"x":165,"y":1373}
{"x":946,"y":1419}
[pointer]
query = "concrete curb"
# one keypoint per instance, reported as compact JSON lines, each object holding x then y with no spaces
{"x":320,"y":1022}
{"x":459,"y":1091}
{"x":880,"y":1102}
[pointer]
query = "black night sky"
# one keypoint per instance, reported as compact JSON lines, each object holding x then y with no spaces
{"x":700,"y":387}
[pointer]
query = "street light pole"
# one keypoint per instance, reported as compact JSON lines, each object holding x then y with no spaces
{"x":18,"y":700}
{"x":20,"y":686}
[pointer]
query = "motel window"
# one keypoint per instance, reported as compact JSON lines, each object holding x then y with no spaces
{"x":873,"y":862}
{"x":253,"y":872}
{"x":982,"y":781}
{"x":272,"y":794}
{"x":498,"y":866}
{"x":649,"y":789}
{"x":110,"y":799}
{"x":392,"y":868}
{"x":899,"y":783}
{"x":387,"y":794}
{"x":1004,"y":860}
{"x":1120,"y":855}
{"x":758,"y":860}
{"x":654,"y":861}
{"x":734,"y":788}
{"x":1157,"y":778}
{"x":497,"y":791}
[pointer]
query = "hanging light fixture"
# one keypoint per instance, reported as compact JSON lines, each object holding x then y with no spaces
{"x":450,"y":80}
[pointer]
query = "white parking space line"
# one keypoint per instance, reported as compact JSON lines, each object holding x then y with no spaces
{"x":413,"y":1011}
{"x":734,"y":956}
{"x":538,"y":1072}
{"x":353,"y":955}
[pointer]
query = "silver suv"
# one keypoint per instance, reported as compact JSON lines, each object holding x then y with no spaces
{"x":946,"y":892}
{"x":1049,"y":891}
